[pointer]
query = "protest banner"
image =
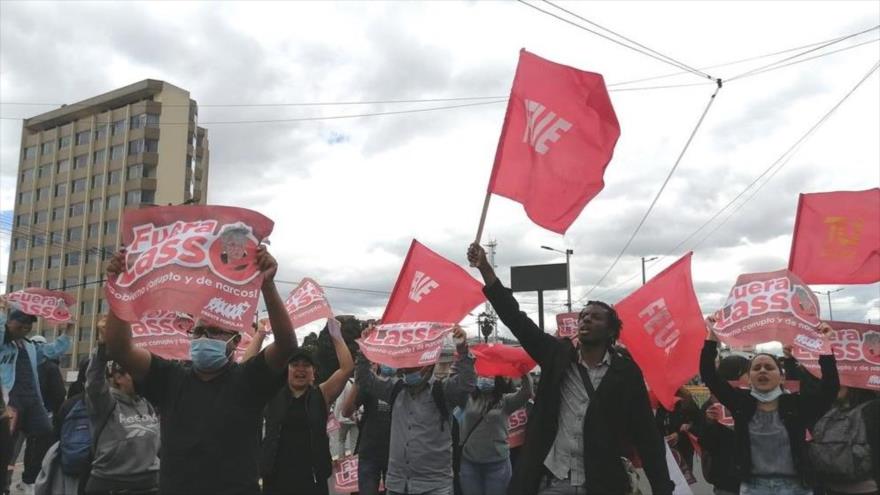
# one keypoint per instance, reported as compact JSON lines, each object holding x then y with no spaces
{"x":199,"y":260}
{"x":431,"y":288}
{"x":333,"y":424}
{"x":567,"y":325}
{"x":856,"y":347}
{"x":305,"y":304}
{"x":405,"y":345}
{"x":501,"y":360}
{"x":52,"y":305}
{"x":558,"y":136}
{"x":345,"y":474}
{"x":664,"y":330}
{"x":164,"y":333}
{"x":772,"y":306}
{"x":516,"y":428}
{"x":837,"y":238}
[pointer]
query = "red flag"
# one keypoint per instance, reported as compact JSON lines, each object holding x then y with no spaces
{"x":558,"y":136}
{"x":837,"y":238}
{"x":664,"y":331}
{"x":501,"y":360}
{"x":431,"y":288}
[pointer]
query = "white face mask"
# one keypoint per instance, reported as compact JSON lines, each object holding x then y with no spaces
{"x":767,"y":396}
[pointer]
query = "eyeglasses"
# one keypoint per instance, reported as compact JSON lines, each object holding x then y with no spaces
{"x":210,"y":332}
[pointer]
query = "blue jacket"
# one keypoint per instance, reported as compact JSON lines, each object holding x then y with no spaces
{"x":36,"y":353}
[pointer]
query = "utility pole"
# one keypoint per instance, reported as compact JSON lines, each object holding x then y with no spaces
{"x":643,"y":267}
{"x":828,"y":294}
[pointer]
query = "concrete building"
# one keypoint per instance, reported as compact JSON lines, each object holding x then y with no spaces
{"x":81,"y":165}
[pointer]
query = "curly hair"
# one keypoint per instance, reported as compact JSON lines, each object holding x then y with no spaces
{"x":614,"y":322}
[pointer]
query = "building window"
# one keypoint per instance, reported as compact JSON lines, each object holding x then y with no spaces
{"x":38,"y":240}
{"x":71,"y":259}
{"x":80,"y":161}
{"x":107,"y":253}
{"x":117,"y":152}
{"x":97,"y":181}
{"x":78,"y":185}
{"x":41,"y":216}
{"x":113,"y":177}
{"x":56,"y":238}
{"x":104,"y":306}
{"x":36,"y":263}
{"x":90,"y":280}
{"x":27,"y":175}
{"x":43,"y":193}
{"x":138,"y":197}
{"x":63,"y":165}
{"x":110,"y":227}
{"x":71,"y":282}
{"x":100,"y":132}
{"x":57,"y":213}
{"x":82,"y":137}
{"x":19,"y":243}
{"x":60,"y":190}
{"x":85,"y":333}
{"x":25,"y":197}
{"x":144,"y":120}
{"x":94,"y":230}
{"x":54,"y":261}
{"x":53,"y":284}
{"x":77,"y":209}
{"x":140,"y":170}
{"x":98,"y":157}
{"x":118,"y":127}
{"x":17,"y":267}
{"x":74,"y":233}
{"x":136,"y":146}
{"x":85,"y":308}
{"x":95,"y":205}
{"x":44,"y":171}
{"x":63,"y":142}
{"x":30,"y":152}
{"x":47,"y":148}
{"x":23,"y":219}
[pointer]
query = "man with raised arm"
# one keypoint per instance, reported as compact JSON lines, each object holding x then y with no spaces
{"x":210,"y":409}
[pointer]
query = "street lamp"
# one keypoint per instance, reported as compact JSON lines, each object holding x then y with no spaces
{"x":828,"y":293}
{"x":643,"y":267}
{"x":567,"y":253}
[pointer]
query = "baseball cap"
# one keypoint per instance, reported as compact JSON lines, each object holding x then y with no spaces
{"x":301,"y":354}
{"x":19,"y":315}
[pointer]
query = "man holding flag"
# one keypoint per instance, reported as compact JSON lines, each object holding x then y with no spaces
{"x":592,"y":404}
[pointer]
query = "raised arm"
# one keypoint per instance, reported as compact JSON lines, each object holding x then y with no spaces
{"x":98,"y":396}
{"x":117,"y":334}
{"x":351,"y":402}
{"x":368,"y":382}
{"x":334,"y":385}
{"x":462,"y":377}
{"x":518,"y":399}
{"x":722,"y":390}
{"x":278,"y":352}
{"x":57,"y":348}
{"x":256,"y":343}
{"x":534,"y":340}
{"x":816,"y":405}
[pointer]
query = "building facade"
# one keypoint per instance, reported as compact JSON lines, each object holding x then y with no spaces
{"x":81,"y":165}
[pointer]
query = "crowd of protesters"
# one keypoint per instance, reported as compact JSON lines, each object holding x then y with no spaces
{"x":137,"y":423}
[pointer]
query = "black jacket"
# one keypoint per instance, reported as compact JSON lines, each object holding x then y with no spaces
{"x":619,"y":415}
{"x":798,"y":411}
{"x":718,"y":461}
{"x":316,"y":410}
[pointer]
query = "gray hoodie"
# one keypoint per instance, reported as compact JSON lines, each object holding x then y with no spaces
{"x":128,"y":433}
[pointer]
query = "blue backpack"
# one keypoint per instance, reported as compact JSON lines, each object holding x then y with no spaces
{"x":75,"y":444}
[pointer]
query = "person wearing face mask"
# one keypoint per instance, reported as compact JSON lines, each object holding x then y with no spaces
{"x":211,"y":406}
{"x":770,"y":425}
{"x":592,"y":404}
{"x":420,"y":457}
{"x":485,"y":463}
{"x":295,"y":457}
{"x":374,"y":434}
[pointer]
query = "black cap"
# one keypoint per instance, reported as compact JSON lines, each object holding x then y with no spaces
{"x":19,"y":315}
{"x":301,"y":354}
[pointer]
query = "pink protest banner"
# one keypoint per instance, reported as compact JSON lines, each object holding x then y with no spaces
{"x":516,"y":428}
{"x":770,"y":306}
{"x":164,"y":333}
{"x":567,"y":325}
{"x":49,"y":304}
{"x":856,"y":347}
{"x":246,"y":337}
{"x":199,"y":260}
{"x":405,"y":345}
{"x":307,"y":303}
{"x":345,"y":474}
{"x":332,"y":423}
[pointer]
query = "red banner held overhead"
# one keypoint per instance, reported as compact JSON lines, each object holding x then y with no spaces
{"x":772,"y":306}
{"x":431,"y":288}
{"x":52,"y":305}
{"x":559,"y":134}
{"x":567,"y":325}
{"x":199,"y":260}
{"x":405,"y":345}
{"x":164,"y":333}
{"x":501,"y":360}
{"x":837,"y":238}
{"x":856,"y":347}
{"x":663,"y":329}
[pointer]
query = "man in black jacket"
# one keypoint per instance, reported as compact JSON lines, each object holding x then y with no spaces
{"x":591,"y":406}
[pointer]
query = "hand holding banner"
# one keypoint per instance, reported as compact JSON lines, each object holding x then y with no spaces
{"x":49,"y":304}
{"x":404,"y":345}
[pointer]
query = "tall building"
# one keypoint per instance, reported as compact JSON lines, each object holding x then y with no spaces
{"x":83,"y":164}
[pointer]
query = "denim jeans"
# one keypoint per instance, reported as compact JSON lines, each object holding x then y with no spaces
{"x":488,"y":478}
{"x":370,"y":472}
{"x":445,"y":490}
{"x":773,"y":486}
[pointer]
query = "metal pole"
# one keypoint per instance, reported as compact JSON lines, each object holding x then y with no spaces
{"x":830,"y":311}
{"x":541,"y":309}
{"x":568,"y":275}
{"x":643,"y":270}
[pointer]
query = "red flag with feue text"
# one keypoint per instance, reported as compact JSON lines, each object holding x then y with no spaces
{"x":664,"y":331}
{"x":837,"y":238}
{"x":431,"y":288}
{"x":559,"y":133}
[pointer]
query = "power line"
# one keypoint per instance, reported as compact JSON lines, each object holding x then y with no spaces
{"x":290,"y":104}
{"x":659,"y":192}
{"x":809,"y":58}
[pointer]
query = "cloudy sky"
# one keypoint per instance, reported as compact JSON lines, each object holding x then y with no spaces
{"x":348,"y":195}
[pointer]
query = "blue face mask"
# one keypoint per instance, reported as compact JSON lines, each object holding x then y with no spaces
{"x":413,"y":378}
{"x":386,"y":370}
{"x":208,"y":354}
{"x":485,"y":384}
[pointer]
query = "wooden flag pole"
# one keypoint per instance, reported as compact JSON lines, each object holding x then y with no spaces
{"x":483,"y":217}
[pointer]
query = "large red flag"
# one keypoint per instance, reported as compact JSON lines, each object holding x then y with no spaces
{"x":837,"y":238}
{"x":558,"y":136}
{"x":663,"y":329}
{"x":431,"y":288}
